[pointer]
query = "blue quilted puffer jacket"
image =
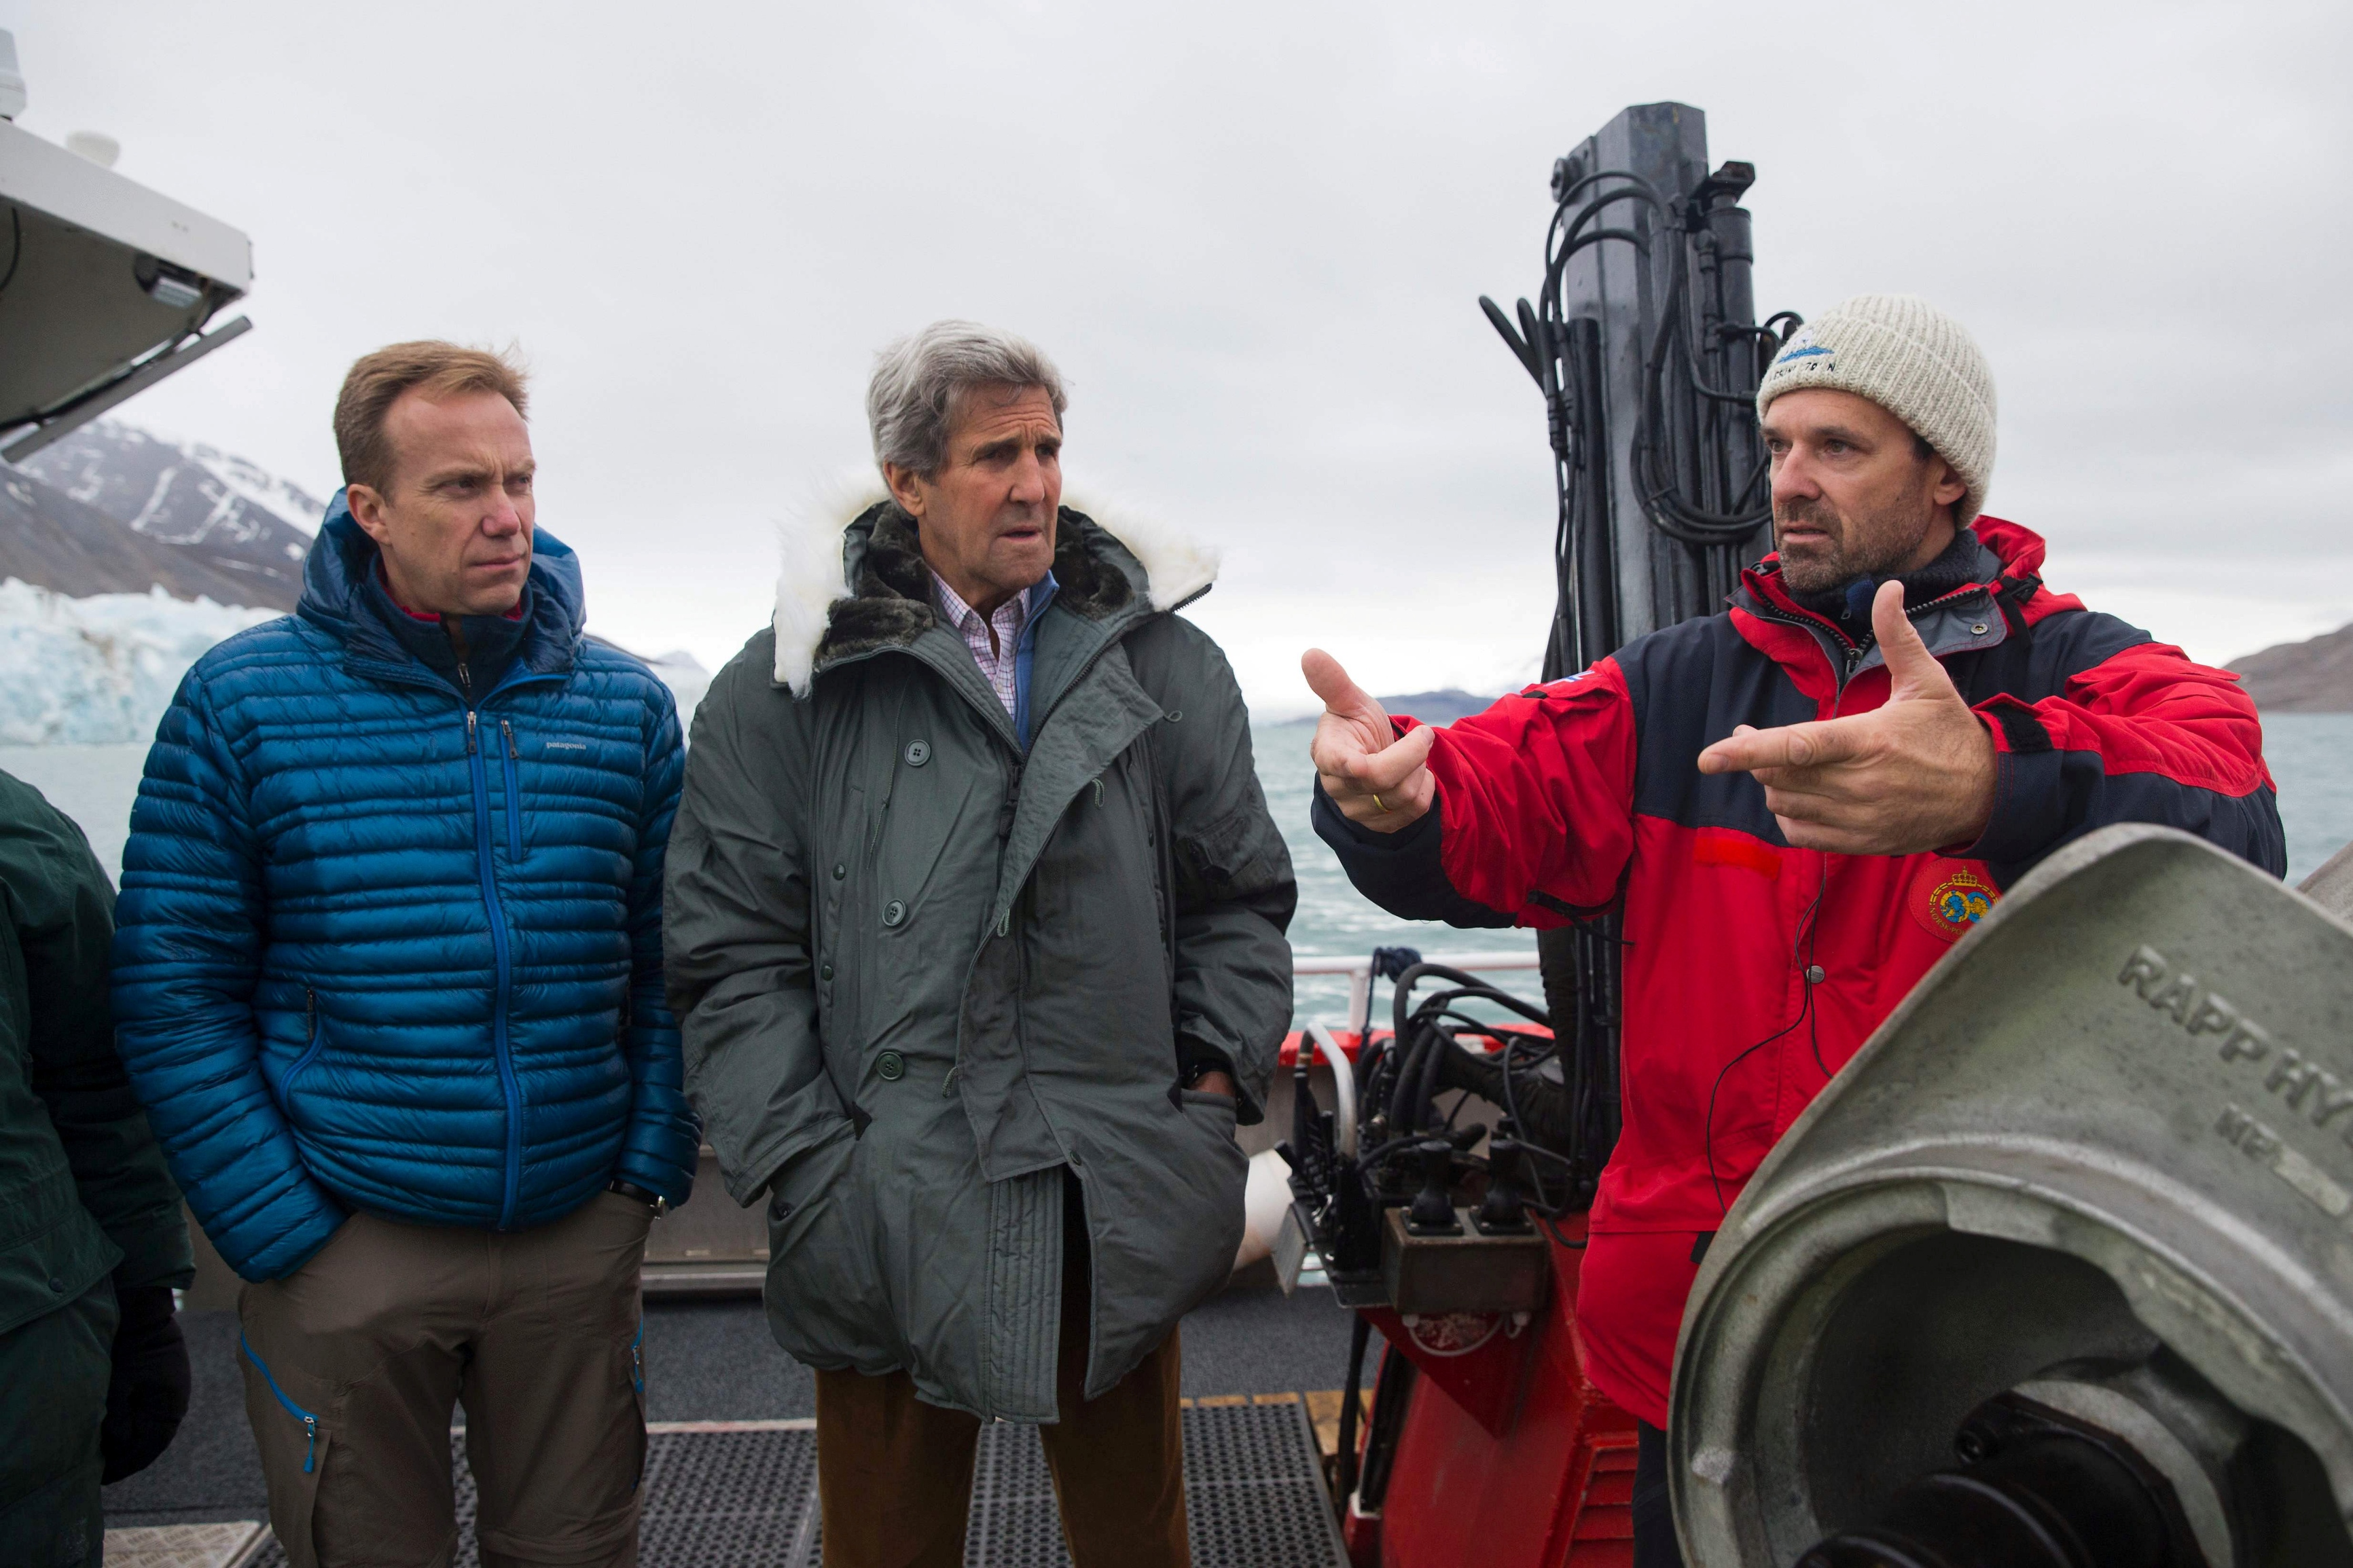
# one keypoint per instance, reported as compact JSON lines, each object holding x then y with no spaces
{"x":379,"y":950}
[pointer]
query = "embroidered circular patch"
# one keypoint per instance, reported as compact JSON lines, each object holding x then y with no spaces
{"x":1949,"y":901}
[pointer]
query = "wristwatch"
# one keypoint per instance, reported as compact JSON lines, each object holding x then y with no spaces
{"x":654,"y":1201}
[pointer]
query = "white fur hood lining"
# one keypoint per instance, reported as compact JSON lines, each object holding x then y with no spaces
{"x":812,"y":574}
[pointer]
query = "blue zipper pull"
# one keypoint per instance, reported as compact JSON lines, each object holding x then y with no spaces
{"x":310,"y":1443}
{"x":470,"y":747}
{"x":508,"y":730}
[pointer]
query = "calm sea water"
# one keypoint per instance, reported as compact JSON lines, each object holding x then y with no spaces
{"x":2311,"y":755}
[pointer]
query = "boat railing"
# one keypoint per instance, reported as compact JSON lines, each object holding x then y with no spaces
{"x":1359,"y":970}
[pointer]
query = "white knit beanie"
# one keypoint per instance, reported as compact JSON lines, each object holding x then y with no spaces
{"x":1911,"y":359}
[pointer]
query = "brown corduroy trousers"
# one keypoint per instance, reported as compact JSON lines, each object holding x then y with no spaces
{"x":894,"y":1475}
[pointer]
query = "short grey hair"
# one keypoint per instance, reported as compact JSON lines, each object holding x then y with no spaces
{"x":920,"y":383}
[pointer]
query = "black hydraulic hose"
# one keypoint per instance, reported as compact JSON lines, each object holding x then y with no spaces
{"x":1465,"y":986}
{"x":1632,"y":187}
{"x":1370,"y":1057}
{"x":1521,"y":341}
{"x":1577,"y":224}
{"x":1393,"y":1388}
{"x":1358,"y":1337}
{"x":1667,"y":509}
{"x":1416,"y":1035}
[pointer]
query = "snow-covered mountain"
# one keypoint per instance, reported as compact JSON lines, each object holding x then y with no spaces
{"x":49,"y":540}
{"x":249,"y":528}
{"x":125,"y":556}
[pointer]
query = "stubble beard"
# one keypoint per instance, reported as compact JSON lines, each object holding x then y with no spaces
{"x":1876,"y":545}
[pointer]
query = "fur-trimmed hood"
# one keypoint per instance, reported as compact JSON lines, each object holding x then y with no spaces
{"x":853,"y":579}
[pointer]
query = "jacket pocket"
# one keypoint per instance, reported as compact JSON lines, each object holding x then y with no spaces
{"x":1214,"y":1115}
{"x":294,"y":1497}
{"x":509,"y":762}
{"x":1201,"y":1229}
{"x":824,"y":1303}
{"x":1219,"y":1106}
{"x":308,"y":1421}
{"x":638,"y":1390}
{"x":315,"y":1040}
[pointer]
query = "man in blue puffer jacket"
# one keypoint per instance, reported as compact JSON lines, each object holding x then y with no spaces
{"x":389,"y":977}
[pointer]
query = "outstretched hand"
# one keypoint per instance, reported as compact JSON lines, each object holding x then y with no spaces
{"x":1377,"y":779}
{"x":1915,"y":773}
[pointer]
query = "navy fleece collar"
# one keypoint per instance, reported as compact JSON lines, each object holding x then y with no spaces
{"x":338,"y":579}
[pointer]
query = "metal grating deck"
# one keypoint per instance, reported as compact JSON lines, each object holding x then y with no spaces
{"x":747,"y":1499}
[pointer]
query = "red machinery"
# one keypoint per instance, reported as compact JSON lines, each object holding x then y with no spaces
{"x":1505,"y":1453}
{"x":1486,"y":1440}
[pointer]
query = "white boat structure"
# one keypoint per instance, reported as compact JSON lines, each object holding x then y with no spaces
{"x":106,"y":286}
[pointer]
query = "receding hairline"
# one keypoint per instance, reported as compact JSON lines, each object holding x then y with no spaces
{"x":528,"y":466}
{"x":435,"y":370}
{"x":403,"y":461}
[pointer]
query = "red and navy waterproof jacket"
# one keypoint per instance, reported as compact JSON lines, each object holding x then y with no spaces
{"x":1753,"y":970}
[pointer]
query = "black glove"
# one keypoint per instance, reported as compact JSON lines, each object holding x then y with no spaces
{"x":149,"y":1393}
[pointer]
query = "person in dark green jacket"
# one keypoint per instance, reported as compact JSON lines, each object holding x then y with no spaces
{"x":93,"y":1369}
{"x":974,"y":933}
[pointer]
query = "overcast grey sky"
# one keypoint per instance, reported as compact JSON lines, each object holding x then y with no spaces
{"x":1253,"y":235}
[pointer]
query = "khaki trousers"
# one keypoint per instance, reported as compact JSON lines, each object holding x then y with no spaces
{"x":354,"y":1363}
{"x":894,"y":1475}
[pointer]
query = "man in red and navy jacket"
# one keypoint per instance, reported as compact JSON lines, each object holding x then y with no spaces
{"x":1798,"y":804}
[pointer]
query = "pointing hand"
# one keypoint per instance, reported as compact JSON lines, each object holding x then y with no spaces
{"x":1377,"y":779}
{"x":1915,"y":773}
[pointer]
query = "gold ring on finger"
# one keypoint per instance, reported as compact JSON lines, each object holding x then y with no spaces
{"x":1376,"y":802}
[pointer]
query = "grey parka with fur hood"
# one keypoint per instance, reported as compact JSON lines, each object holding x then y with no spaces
{"x":919,"y":973}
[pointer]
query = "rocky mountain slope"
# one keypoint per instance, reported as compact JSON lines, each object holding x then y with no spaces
{"x":49,"y":540}
{"x":187,"y":519}
{"x":123,"y":557}
{"x":2314,"y":675}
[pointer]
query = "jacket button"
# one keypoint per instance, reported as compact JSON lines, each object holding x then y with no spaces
{"x":1980,"y":629}
{"x":890,"y":1067}
{"x":825,"y":972}
{"x":839,"y":872}
{"x":918,"y":753}
{"x":1815,"y":973}
{"x":893,"y":913}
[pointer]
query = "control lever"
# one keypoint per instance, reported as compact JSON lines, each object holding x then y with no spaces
{"x":1503,"y":1212}
{"x":1432,"y":1212}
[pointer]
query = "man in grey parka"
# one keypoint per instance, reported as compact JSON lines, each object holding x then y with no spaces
{"x":975,"y":927}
